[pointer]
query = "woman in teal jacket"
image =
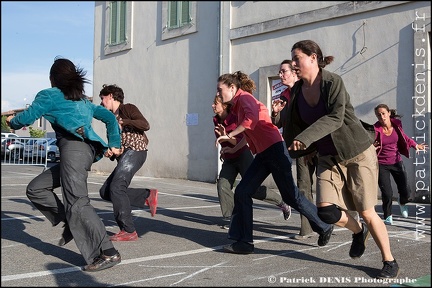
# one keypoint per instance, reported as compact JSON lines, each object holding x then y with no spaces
{"x":70,"y":113}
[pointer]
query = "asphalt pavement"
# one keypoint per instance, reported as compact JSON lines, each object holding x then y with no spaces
{"x":182,"y":245}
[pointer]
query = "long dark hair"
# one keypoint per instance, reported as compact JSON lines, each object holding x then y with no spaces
{"x":309,"y":47}
{"x":67,"y":77}
{"x":392,"y":112}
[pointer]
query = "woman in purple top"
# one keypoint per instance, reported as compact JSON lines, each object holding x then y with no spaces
{"x":391,"y":142}
{"x":237,"y":157}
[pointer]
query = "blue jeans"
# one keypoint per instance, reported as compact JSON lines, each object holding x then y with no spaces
{"x":227,"y":176}
{"x":274,"y":160}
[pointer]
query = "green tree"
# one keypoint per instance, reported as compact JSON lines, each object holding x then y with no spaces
{"x":36,"y":133}
{"x":4,"y":126}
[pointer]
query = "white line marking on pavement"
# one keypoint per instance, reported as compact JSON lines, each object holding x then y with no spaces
{"x":148,"y":279}
{"x":196,"y":273}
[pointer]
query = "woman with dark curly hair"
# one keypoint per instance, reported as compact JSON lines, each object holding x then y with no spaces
{"x":134,"y":144}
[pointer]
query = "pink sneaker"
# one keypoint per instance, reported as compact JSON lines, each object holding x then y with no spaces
{"x":152,"y":201}
{"x":124,"y":236}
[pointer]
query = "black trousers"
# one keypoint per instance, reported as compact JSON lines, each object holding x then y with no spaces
{"x":397,"y":171}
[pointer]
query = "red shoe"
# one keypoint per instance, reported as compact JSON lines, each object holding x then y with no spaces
{"x":152,"y":201}
{"x":124,"y":236}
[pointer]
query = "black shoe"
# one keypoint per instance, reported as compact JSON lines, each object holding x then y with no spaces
{"x":66,"y":236}
{"x":103,"y":262}
{"x":359,"y":241}
{"x":323,"y":239}
{"x":390,"y":270}
{"x":239,"y":247}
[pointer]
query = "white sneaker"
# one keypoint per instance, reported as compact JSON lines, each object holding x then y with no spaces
{"x":389,"y":220}
{"x":404,"y":210}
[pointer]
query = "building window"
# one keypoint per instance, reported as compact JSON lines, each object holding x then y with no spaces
{"x":178,"y":18}
{"x":179,"y":14}
{"x":117,"y":22}
{"x":118,"y":30}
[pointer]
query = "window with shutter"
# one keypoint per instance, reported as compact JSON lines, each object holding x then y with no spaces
{"x":178,"y":18}
{"x":118,"y":26}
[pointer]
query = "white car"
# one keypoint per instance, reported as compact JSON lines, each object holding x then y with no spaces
{"x":11,"y":149}
{"x":28,"y":148}
{"x":8,"y":135}
{"x":39,"y":148}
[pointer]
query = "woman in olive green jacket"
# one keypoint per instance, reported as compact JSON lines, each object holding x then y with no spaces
{"x":322,"y":117}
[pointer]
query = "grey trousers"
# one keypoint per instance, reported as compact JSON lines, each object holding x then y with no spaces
{"x":115,"y":189}
{"x":305,"y":173}
{"x":71,"y":174}
{"x":227,"y":176}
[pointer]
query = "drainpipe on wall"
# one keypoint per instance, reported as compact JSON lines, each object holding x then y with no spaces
{"x":220,"y":28}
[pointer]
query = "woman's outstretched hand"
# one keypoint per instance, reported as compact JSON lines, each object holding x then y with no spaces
{"x":421,"y":147}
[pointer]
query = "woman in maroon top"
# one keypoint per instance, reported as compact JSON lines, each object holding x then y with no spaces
{"x":392,"y":142}
{"x":237,"y":157}
{"x":271,"y":157}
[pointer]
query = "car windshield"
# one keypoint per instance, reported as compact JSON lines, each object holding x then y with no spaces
{"x":12,"y":140}
{"x":44,"y":141}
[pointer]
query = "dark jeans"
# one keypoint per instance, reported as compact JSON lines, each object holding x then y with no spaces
{"x":274,"y":160}
{"x":305,"y":182}
{"x":87,"y":228}
{"x":115,"y":189}
{"x":227,"y":176}
{"x":397,"y":171}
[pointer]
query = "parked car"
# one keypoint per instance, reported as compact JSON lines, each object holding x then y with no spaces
{"x":41,"y":146}
{"x":8,"y":135}
{"x":28,"y":148}
{"x":11,"y":149}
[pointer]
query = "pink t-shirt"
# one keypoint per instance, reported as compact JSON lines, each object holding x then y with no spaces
{"x":255,"y":117}
{"x":389,"y":154}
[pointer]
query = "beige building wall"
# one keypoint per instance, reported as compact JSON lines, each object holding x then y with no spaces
{"x":173,"y":80}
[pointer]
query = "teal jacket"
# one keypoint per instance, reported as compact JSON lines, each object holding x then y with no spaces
{"x":346,"y":130}
{"x":71,"y":115}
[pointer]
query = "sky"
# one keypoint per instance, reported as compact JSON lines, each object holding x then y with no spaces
{"x":32,"y":35}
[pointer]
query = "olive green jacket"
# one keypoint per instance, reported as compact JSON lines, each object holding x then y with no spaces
{"x":346,"y":130}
